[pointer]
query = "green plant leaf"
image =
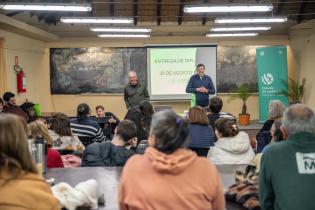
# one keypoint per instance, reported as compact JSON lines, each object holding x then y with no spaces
{"x":242,"y":93}
{"x":295,"y":90}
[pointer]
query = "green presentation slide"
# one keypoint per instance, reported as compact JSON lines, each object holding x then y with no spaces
{"x":170,"y":69}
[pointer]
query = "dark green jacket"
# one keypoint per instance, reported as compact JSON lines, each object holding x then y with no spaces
{"x":105,"y":154}
{"x":287,"y":174}
{"x":134,"y":94}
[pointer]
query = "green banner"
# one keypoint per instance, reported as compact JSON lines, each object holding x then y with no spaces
{"x":272,"y":72}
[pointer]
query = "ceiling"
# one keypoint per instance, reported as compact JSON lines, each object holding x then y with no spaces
{"x":164,"y":17}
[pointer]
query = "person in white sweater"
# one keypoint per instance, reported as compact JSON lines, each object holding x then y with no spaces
{"x":232,"y":147}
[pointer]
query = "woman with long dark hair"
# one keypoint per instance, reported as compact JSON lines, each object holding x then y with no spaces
{"x":147,"y":112}
{"x":63,"y":138}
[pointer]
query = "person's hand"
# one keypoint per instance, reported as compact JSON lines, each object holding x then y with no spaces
{"x":199,"y":89}
{"x":204,"y":90}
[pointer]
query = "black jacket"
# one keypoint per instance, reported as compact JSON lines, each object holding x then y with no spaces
{"x":105,"y":154}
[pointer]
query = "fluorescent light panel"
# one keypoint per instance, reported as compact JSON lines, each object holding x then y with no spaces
{"x":124,"y":35}
{"x":132,"y":30}
{"x":245,"y":28}
{"x":96,"y":20}
{"x":251,"y":20}
{"x":229,"y":8}
{"x":231,"y":34}
{"x":48,"y":7}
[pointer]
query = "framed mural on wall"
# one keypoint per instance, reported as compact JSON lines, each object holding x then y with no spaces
{"x":104,"y":70}
{"x":94,"y":69}
{"x":236,"y":65}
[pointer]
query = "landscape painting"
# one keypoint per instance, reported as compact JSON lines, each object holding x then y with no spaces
{"x":236,"y":66}
{"x":94,"y":69}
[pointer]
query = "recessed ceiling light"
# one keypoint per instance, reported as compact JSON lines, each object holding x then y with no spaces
{"x":251,"y":20}
{"x":124,"y":35}
{"x":133,"y":30}
{"x":245,"y":28}
{"x":96,"y":20}
{"x":48,"y":7}
{"x":231,"y":34}
{"x":229,"y":8}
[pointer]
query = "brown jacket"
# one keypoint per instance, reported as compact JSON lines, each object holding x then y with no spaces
{"x":176,"y":181}
{"x":16,"y":110}
{"x":29,"y":191}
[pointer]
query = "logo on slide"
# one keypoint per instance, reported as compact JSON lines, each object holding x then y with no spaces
{"x":305,"y":162}
{"x":267,"y":78}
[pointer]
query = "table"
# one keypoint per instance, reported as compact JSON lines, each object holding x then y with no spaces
{"x":108,"y":178}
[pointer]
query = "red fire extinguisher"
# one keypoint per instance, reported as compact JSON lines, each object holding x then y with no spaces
{"x":20,"y":77}
{"x":21,"y":81}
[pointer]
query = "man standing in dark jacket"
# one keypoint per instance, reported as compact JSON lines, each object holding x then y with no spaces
{"x":135,"y":92}
{"x":201,"y":85}
{"x":287,"y":170}
{"x":113,"y":153}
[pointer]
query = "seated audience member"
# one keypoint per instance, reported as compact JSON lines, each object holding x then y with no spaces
{"x":11,"y":107}
{"x":86,"y":129}
{"x":1,"y":105}
{"x":215,"y":107}
{"x":63,"y":138}
{"x":287,"y":172}
{"x":232,"y":147}
{"x":147,"y":112}
{"x":263,"y":137}
{"x":175,"y":178}
{"x":20,"y":185}
{"x":37,"y":129}
{"x":276,"y":134}
{"x":134,"y":115}
{"x":114,"y":153}
{"x":28,"y":108}
{"x":109,"y":127}
{"x":200,"y":132}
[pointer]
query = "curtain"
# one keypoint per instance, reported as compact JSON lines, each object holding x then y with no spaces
{"x":3,"y":70}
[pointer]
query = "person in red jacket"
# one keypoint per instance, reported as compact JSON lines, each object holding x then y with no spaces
{"x":38,"y":129}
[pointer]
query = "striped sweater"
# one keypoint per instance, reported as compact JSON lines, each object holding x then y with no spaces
{"x":87,"y":128}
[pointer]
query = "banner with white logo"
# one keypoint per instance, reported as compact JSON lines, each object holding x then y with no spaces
{"x":272,"y":70}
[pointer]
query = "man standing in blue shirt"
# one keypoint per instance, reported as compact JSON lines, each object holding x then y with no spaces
{"x":201,"y":85}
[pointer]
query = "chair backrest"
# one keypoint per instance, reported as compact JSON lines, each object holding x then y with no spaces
{"x":263,"y":138}
{"x":142,"y":147}
{"x":162,"y":107}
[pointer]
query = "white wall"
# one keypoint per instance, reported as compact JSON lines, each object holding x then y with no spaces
{"x":302,"y":42}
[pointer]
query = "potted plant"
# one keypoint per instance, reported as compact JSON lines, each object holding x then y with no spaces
{"x":295,"y":91}
{"x":242,"y":93}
